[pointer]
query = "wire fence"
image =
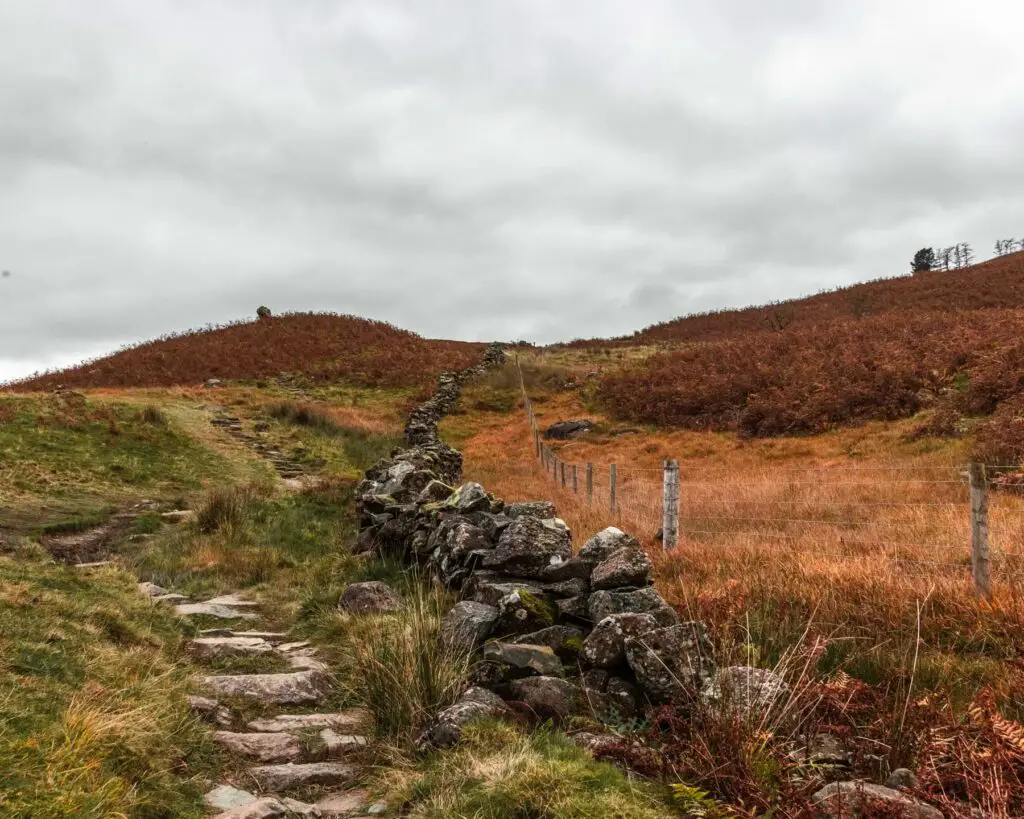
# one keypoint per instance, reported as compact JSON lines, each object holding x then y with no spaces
{"x":913,"y":517}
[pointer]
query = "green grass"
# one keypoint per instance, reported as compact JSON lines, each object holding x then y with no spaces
{"x":93,"y":716}
{"x":499,"y":772}
{"x":90,"y":454}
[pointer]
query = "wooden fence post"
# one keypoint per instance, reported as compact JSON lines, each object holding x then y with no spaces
{"x":613,"y":479}
{"x":590,"y":483}
{"x":536,"y":441}
{"x":575,"y":481}
{"x":670,"y":504}
{"x":979,"y":531}
{"x":563,"y":474}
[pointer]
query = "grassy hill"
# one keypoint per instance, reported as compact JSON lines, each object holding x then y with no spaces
{"x":321,"y":346}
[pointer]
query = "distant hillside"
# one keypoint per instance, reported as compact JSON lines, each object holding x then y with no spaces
{"x":881,"y":350}
{"x":995,"y":283}
{"x":318,"y":345}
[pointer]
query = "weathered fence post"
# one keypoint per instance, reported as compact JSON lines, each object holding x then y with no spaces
{"x":575,"y":481}
{"x":536,"y":440}
{"x":613,"y":479}
{"x":670,"y":505}
{"x":590,"y":483}
{"x":979,"y":531}
{"x":563,"y":474}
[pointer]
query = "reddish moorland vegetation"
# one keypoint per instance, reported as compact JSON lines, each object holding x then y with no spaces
{"x":316,"y":345}
{"x":813,"y":377}
{"x":996,"y":283}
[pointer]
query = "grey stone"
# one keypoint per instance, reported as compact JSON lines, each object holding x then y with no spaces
{"x":212,"y":610}
{"x":538,"y":659}
{"x":234,"y":600}
{"x":226,"y":797}
{"x":352,"y":720}
{"x":269,"y":807}
{"x":745,"y":690}
{"x":902,"y":778}
{"x":573,"y":587}
{"x":338,"y":745}
{"x":464,"y":538}
{"x":828,"y":749}
{"x":596,"y":678}
{"x":531,"y":509}
{"x":435,"y":492}
{"x":211,"y":711}
{"x":565,"y":641}
{"x":151,"y":589}
{"x":446,"y":729}
{"x":521,"y":612}
{"x":344,"y":803}
{"x":285,"y":648}
{"x":468,"y":624}
{"x":263,"y":747}
{"x":575,"y":608}
{"x":376,"y":809}
{"x":624,"y":696}
{"x":604,"y":543}
{"x":671,"y":662}
{"x":298,"y":688}
{"x":626,"y":566}
{"x":371,"y":597}
{"x":471,"y":498}
{"x":605,"y":646}
{"x":529,"y":545}
{"x":214,"y":647}
{"x":489,"y":588}
{"x":179,"y":516}
{"x":286,"y":777}
{"x":548,"y":697}
{"x":572,"y":569}
{"x":842,"y":799}
{"x":564,"y":430}
{"x":639,"y":601}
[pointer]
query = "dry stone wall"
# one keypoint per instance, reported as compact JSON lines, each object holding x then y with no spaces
{"x":558,"y":630}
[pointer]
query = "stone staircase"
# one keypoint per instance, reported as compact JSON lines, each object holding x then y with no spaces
{"x":292,"y":752}
{"x":284,"y":466}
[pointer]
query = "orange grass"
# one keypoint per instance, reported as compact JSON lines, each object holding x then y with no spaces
{"x":780,"y":533}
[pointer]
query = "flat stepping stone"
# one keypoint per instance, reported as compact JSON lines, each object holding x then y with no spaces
{"x":305,"y":662}
{"x":151,"y":589}
{"x":341,"y":744}
{"x":227,"y":797}
{"x":341,"y":721}
{"x":94,"y":565}
{"x":293,"y":646}
{"x":211,"y":647}
{"x":290,"y":776}
{"x":344,"y":803}
{"x":262,"y":747}
{"x":211,"y":711}
{"x":170,"y":598}
{"x":211,"y":610}
{"x":269,"y":636}
{"x":299,"y":688}
{"x":270,"y":807}
{"x":233,"y":600}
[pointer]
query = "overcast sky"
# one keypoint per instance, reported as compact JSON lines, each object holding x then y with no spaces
{"x":479,"y":169}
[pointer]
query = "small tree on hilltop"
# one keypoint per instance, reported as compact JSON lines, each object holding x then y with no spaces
{"x":924,"y":260}
{"x":263,"y":312}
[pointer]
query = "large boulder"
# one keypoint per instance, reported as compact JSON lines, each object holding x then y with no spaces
{"x":626,"y":566}
{"x":564,"y":430}
{"x":606,"y":602}
{"x":605,"y":646}
{"x":529,"y":545}
{"x":523,"y":657}
{"x":531,"y":509}
{"x":446,"y":729}
{"x":548,"y":697}
{"x":839,"y":800}
{"x":745,"y":690}
{"x":467,"y":625}
{"x":672,"y":662}
{"x":371,"y":597}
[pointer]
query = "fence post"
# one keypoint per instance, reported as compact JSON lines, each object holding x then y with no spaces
{"x":979,"y":531}
{"x":536,"y":441}
{"x":613,"y":479}
{"x":670,"y":504}
{"x":563,"y":474}
{"x":575,"y":481}
{"x":590,"y":483}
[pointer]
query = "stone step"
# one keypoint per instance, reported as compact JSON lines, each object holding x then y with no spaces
{"x":297,"y":688}
{"x":261,"y":747}
{"x":351,"y":720}
{"x":269,"y":636}
{"x":276,"y":778}
{"x":234,"y":600}
{"x":212,"y":647}
{"x":212,"y":610}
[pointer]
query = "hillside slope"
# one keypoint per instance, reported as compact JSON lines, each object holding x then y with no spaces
{"x":317,"y":345}
{"x":996,"y":283}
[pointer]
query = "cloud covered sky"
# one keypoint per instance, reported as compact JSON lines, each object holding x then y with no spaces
{"x":484,"y":169}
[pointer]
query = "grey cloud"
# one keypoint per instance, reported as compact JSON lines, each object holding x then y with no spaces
{"x":484,"y":169}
